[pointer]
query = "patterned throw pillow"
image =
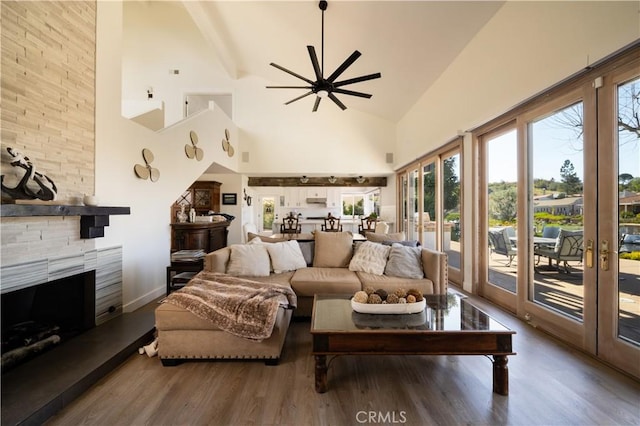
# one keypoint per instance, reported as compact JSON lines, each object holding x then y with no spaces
{"x":286,"y":256}
{"x":405,"y":262}
{"x":251,"y":260}
{"x":370,"y":257}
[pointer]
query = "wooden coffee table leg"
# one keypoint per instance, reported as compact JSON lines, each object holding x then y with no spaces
{"x":321,"y":373}
{"x":500,"y":375}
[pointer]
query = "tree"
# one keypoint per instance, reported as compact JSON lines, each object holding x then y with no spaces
{"x":628,"y":114}
{"x":503,"y":204}
{"x":451,"y":187}
{"x":570,"y":180}
{"x":623,"y":181}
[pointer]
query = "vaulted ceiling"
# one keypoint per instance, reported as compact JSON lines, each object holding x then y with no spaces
{"x":411,"y":43}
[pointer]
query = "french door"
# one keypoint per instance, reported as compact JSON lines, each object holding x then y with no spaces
{"x":569,"y":217}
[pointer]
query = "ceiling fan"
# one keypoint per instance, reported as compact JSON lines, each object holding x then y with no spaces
{"x":326,"y":87}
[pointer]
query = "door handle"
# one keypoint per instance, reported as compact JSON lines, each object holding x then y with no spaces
{"x":589,"y":254}
{"x":604,"y":255}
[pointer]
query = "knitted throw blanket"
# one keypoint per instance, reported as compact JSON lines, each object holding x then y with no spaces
{"x":236,"y":305}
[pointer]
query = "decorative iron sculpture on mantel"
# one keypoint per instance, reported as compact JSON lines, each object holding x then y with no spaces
{"x":47,"y":190}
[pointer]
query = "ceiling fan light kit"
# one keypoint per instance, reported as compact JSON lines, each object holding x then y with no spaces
{"x":326,"y":87}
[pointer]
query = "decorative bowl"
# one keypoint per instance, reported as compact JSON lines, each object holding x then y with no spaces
{"x":389,"y":308}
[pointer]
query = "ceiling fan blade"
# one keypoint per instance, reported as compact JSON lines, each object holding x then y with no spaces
{"x":288,"y":87}
{"x":350,"y":60}
{"x":315,"y":105}
{"x":291,"y":72}
{"x":357,"y":79}
{"x":352,"y":93}
{"x":299,"y":97}
{"x":337,"y":101}
{"x":314,"y":62}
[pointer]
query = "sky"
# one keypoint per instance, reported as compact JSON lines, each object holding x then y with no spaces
{"x":552,"y":145}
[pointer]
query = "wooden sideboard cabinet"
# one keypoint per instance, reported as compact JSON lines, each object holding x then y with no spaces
{"x":207,"y":236}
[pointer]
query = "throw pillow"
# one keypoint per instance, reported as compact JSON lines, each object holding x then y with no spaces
{"x":307,"y":248}
{"x":250,"y":260}
{"x":378,"y":238}
{"x":333,"y":249}
{"x":286,"y":256}
{"x":405,"y":262}
{"x":370,"y":257}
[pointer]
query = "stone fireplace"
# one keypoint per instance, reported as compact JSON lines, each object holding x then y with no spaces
{"x":36,"y":318}
{"x":57,"y":296}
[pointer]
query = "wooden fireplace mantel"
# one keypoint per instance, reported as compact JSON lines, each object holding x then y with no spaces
{"x":93,"y":219}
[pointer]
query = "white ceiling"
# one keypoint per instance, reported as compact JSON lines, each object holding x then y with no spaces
{"x":411,"y":43}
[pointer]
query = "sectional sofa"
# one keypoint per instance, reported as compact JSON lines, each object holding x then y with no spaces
{"x":331,"y":264}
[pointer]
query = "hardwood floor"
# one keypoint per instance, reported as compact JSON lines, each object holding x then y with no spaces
{"x":550,"y":384}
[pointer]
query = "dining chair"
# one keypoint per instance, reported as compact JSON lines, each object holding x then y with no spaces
{"x":367,"y":224}
{"x":290,"y":225}
{"x":331,"y":224}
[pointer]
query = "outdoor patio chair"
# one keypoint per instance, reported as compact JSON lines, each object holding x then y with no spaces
{"x":550,"y":231}
{"x":500,"y":243}
{"x":568,"y":248}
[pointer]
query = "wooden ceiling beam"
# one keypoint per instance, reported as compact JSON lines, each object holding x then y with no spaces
{"x":317,"y":181}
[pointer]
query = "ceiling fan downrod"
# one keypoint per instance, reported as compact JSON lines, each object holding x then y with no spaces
{"x":323,"y":6}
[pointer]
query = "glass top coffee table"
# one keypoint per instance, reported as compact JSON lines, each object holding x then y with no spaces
{"x":454,"y":327}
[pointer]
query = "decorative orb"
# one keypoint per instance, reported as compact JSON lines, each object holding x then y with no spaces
{"x":382,"y":293}
{"x":392,"y":298}
{"x":374,"y":299}
{"x":360,"y":297}
{"x":369,"y":290}
{"x":402,"y":300}
{"x":400,"y":292}
{"x":416,"y":293}
{"x":411,"y":298}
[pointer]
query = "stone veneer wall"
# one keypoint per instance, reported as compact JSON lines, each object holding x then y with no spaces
{"x":48,"y":113}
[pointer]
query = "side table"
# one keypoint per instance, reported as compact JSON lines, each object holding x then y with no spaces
{"x":184,"y":265}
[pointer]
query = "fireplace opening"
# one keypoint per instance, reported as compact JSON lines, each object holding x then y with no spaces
{"x":38,"y":318}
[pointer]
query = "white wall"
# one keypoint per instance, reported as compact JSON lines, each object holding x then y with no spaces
{"x":525,"y":48}
{"x":145,"y":234}
{"x":160,"y":36}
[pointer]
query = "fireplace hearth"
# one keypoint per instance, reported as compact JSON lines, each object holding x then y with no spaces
{"x":37,"y":318}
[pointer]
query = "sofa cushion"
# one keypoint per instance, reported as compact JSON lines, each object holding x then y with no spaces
{"x":333,"y":249}
{"x":250,"y":260}
{"x":378,"y":238}
{"x":286,"y":256}
{"x":312,"y":281}
{"x":389,"y":283}
{"x":404,"y":262}
{"x":264,"y":239}
{"x":370,"y":257}
{"x":406,"y":243}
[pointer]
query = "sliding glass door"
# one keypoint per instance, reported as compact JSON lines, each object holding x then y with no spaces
{"x":559,"y":209}
{"x":431,"y":206}
{"x":499,"y":212}
{"x":617,"y":249}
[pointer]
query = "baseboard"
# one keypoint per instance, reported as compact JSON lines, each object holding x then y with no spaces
{"x":145,"y":299}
